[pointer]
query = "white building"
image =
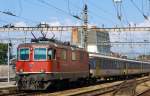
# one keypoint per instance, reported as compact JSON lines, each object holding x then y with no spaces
{"x":98,"y":42}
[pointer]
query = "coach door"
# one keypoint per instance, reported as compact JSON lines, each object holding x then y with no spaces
{"x":98,"y":67}
{"x":125,"y":68}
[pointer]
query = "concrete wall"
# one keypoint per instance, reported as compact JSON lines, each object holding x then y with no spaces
{"x":4,"y":71}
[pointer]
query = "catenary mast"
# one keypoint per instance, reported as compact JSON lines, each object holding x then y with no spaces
{"x":84,"y":34}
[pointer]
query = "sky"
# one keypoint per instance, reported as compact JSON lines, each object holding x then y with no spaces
{"x":100,"y":12}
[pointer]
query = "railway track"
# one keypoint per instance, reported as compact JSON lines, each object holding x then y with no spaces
{"x":107,"y":89}
{"x":111,"y":89}
{"x":145,"y":93}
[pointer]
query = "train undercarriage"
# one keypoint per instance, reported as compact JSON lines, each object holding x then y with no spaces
{"x":45,"y":81}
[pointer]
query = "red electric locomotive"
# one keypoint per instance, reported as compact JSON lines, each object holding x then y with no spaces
{"x":42,"y":64}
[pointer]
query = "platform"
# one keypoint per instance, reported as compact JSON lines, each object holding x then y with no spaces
{"x":6,"y":85}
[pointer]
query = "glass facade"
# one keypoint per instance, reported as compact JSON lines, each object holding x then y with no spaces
{"x":103,"y":43}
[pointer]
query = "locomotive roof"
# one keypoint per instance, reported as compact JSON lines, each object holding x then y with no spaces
{"x":50,"y":44}
{"x":114,"y":58}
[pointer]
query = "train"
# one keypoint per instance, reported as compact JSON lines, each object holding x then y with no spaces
{"x":43,"y":64}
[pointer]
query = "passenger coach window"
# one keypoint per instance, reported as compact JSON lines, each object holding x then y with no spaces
{"x":40,"y":54}
{"x":24,"y":54}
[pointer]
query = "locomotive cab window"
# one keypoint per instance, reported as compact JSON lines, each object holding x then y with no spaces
{"x":40,"y":53}
{"x":24,"y":54}
{"x":51,"y":54}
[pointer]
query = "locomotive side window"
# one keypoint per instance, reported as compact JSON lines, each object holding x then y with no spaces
{"x":63,"y":55}
{"x":74,"y":56}
{"x":81,"y":56}
{"x":24,"y":54}
{"x":51,"y":54}
{"x":40,"y":54}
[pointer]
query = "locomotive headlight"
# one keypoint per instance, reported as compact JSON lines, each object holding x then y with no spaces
{"x":42,"y":70}
{"x":21,"y":70}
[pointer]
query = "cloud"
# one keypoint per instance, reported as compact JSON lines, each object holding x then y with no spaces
{"x":146,"y":23}
{"x":54,"y":23}
{"x":20,"y":24}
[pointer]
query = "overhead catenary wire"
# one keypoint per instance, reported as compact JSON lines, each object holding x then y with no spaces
{"x":95,"y":14}
{"x":144,"y":15}
{"x":100,"y":8}
{"x":145,"y":7}
{"x":125,"y":15}
{"x":121,"y":15}
{"x":104,"y":11}
{"x":73,"y":5}
{"x":14,"y":15}
{"x":75,"y":16}
{"x":118,"y":8}
{"x":61,"y":10}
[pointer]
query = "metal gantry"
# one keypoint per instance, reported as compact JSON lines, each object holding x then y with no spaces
{"x":68,"y":28}
{"x":37,"y":29}
{"x":122,"y":29}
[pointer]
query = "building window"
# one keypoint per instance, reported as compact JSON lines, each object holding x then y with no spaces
{"x":24,"y":54}
{"x":40,"y":54}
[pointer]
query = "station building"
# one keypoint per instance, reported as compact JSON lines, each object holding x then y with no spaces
{"x":98,"y":42}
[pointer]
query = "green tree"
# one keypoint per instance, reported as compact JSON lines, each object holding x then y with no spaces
{"x":3,"y":53}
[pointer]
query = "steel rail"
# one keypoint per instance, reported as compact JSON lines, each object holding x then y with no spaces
{"x":115,"y":88}
{"x":94,"y":91}
{"x":91,"y":90}
{"x":144,"y":93}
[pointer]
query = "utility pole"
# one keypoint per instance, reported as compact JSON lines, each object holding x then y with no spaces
{"x":8,"y":61}
{"x":84,"y":34}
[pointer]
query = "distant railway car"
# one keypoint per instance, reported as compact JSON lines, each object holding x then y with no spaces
{"x":42,"y":64}
{"x":108,"y":67}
